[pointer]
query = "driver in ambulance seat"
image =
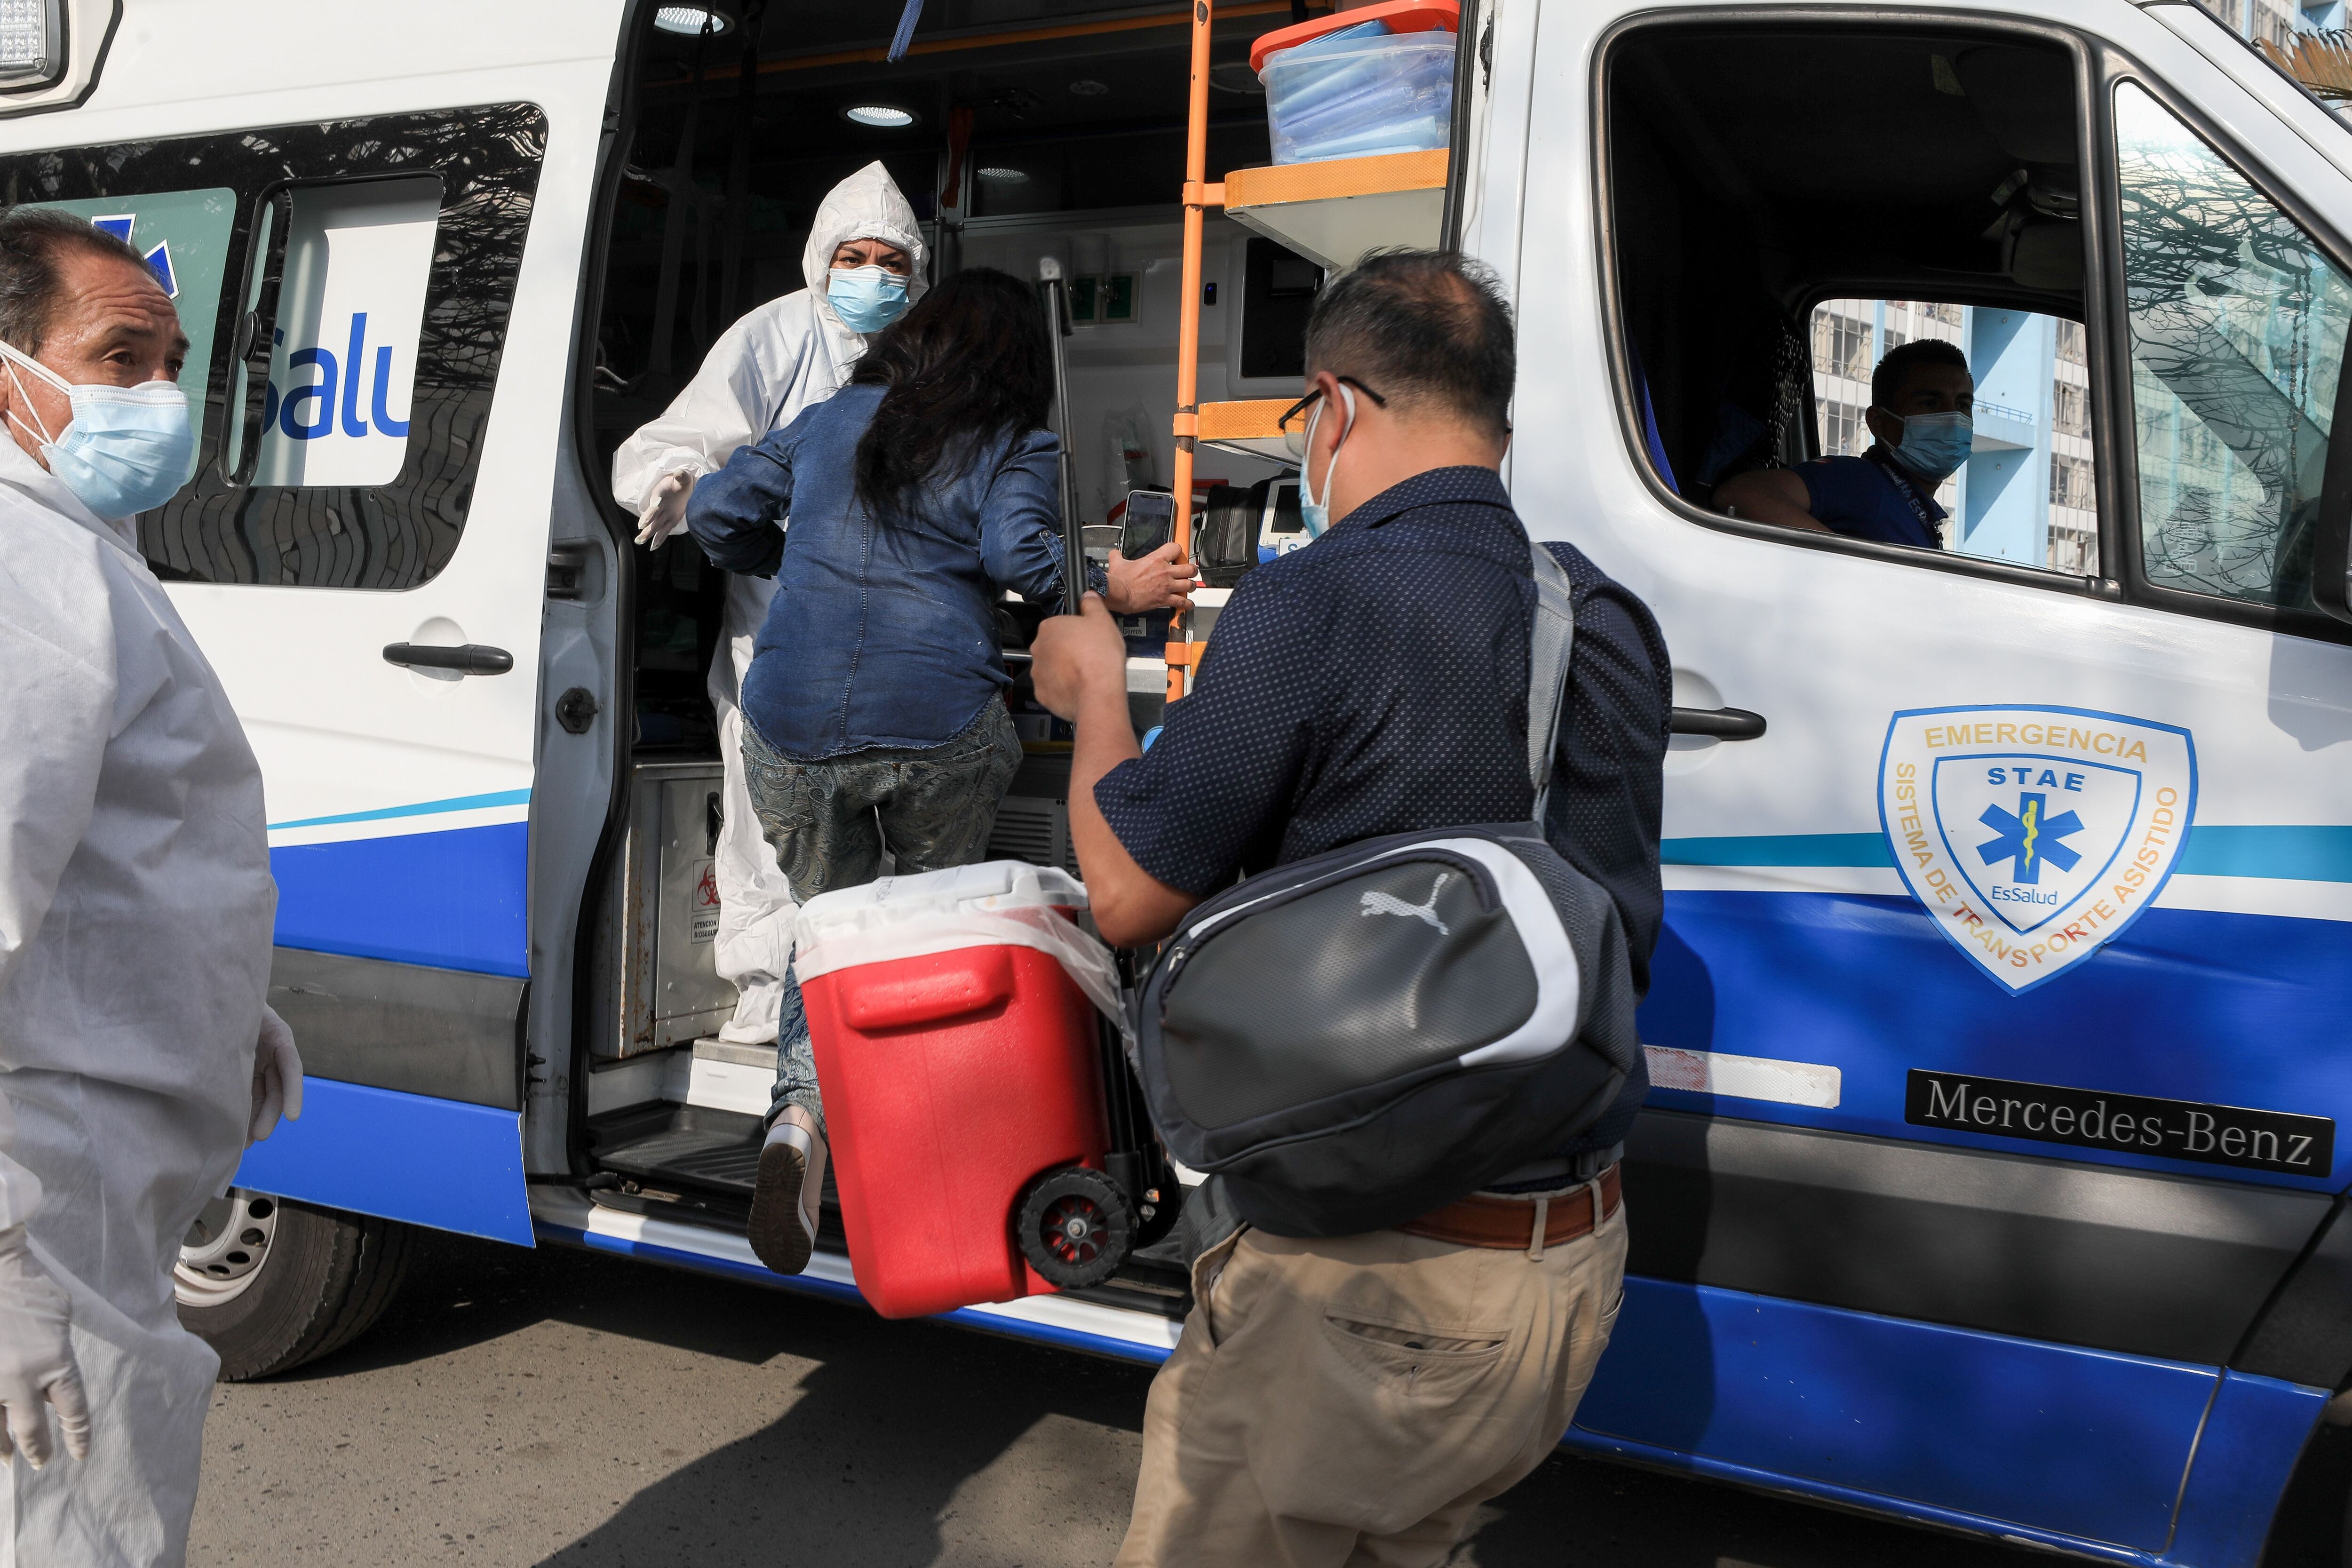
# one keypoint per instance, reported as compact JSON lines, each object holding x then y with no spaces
{"x":1922,"y":407}
{"x":864,"y":265}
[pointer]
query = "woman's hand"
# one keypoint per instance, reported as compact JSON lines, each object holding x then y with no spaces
{"x":1160,"y":581}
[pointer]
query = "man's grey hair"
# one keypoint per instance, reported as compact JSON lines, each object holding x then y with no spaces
{"x":1424,"y":329}
{"x":32,"y":242}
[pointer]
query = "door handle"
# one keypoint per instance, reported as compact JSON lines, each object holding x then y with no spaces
{"x":1715,"y":723}
{"x":468,"y":659}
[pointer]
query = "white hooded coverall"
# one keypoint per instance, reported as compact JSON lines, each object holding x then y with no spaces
{"x":135,"y":913}
{"x":778,"y":360}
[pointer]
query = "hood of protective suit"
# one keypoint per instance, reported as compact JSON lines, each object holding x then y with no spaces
{"x":866,"y":206}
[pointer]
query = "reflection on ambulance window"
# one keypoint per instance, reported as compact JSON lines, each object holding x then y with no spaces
{"x":2238,"y":323}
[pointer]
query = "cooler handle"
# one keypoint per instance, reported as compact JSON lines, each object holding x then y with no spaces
{"x":947,"y":985}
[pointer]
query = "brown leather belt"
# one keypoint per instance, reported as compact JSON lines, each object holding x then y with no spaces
{"x":1520,"y":1224}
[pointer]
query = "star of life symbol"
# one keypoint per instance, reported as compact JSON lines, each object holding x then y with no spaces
{"x":2034,"y":836}
{"x":159,"y":258}
{"x":1377,"y":903}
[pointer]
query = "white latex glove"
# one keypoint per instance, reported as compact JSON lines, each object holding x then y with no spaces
{"x":664,"y":511}
{"x":276,"y":1075}
{"x":36,"y":1363}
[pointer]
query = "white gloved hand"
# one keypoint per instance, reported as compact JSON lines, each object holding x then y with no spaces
{"x":276,"y":1075}
{"x":664,"y":511}
{"x":37,"y":1361}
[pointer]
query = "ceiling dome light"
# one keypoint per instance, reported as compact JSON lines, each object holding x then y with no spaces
{"x":687,"y":21}
{"x":1086,"y":87}
{"x":1005,"y":177}
{"x":887,"y":116}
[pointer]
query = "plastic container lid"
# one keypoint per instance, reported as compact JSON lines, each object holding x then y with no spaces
{"x":998,"y":903}
{"x":1401,"y":15}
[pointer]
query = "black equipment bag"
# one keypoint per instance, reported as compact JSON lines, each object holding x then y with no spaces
{"x":1355,"y":1039}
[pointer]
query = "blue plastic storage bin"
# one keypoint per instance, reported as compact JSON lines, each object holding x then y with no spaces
{"x":1360,"y":93}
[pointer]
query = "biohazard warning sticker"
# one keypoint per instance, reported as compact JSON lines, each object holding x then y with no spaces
{"x":706,"y":904}
{"x":2034,"y":836}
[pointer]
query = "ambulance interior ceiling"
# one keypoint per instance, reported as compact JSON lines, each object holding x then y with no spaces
{"x":1757,"y":170}
{"x":1077,"y":150}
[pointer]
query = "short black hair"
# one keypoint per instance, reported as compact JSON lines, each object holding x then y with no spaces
{"x":1421,"y":327}
{"x":31,"y":240}
{"x":1886,"y":381}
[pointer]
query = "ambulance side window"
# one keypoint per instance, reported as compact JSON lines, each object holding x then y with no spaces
{"x":2237,"y":323}
{"x":1770,"y":184}
{"x":404,"y":240}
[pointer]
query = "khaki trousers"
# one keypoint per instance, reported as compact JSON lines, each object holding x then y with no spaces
{"x":1349,"y":1402}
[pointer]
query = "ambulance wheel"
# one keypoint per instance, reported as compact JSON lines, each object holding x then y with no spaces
{"x":271,"y":1284}
{"x":1075,"y":1228}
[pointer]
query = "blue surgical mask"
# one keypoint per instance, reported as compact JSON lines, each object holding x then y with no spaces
{"x":127,"y":449}
{"x":1934,"y":445}
{"x":1314,"y":516}
{"x":867,"y":299}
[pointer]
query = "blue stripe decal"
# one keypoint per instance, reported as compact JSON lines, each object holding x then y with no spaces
{"x":438,"y":1163}
{"x":2086,"y":1444}
{"x":2187,"y":1004}
{"x":2290,"y":853}
{"x":421,"y":808}
{"x":449,"y":901}
{"x":2294,"y":854}
{"x":1780,"y":849}
{"x":832,"y":1290}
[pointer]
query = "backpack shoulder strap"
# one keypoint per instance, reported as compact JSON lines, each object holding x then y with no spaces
{"x":1548,"y":645}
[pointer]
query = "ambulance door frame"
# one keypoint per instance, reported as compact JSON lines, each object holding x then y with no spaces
{"x":555,"y":1134}
{"x":1816,"y":1160}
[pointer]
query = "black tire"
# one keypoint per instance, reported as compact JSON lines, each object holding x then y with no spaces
{"x":1074,"y":1228}
{"x":271,"y":1284}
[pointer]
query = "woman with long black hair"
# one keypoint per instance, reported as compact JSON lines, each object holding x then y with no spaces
{"x":916,"y":494}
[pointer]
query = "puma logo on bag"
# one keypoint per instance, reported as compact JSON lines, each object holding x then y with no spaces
{"x":1377,"y":903}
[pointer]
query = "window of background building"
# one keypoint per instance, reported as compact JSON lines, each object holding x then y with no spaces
{"x":2071,"y":410}
{"x":2027,"y":492}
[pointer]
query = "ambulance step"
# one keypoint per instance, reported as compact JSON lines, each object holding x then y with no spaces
{"x":691,"y":1143}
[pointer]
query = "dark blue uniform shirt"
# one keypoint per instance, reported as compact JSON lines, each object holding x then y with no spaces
{"x":1864,"y":499}
{"x":1377,"y":683}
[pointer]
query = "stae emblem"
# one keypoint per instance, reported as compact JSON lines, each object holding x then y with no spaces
{"x":2034,"y":836}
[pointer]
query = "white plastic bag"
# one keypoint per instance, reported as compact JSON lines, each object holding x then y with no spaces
{"x":999,"y":903}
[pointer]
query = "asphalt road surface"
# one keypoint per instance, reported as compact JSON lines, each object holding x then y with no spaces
{"x":582,"y":1411}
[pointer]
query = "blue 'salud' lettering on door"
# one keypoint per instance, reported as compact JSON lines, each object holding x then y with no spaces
{"x":290,"y":409}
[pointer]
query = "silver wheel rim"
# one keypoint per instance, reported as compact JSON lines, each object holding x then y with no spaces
{"x":223,"y":1252}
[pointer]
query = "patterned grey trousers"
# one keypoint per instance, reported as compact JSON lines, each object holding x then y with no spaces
{"x":828,"y":822}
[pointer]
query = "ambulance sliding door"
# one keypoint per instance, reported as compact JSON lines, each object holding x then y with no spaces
{"x":1991,"y":1030}
{"x":376,"y":260}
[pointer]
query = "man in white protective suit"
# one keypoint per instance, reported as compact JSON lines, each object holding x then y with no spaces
{"x":864,"y":263}
{"x":137,"y":1056}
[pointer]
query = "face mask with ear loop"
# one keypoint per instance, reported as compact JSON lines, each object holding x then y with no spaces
{"x":127,"y":449}
{"x":1314,"y":516}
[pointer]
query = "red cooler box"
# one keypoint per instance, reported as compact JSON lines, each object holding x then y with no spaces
{"x":956,"y":1049}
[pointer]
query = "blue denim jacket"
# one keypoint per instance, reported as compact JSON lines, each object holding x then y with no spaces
{"x":882,"y":631}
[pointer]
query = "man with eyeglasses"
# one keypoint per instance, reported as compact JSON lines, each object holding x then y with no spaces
{"x":1353,"y":1400}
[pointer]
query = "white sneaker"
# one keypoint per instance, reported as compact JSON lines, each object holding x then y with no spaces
{"x":787,"y":1191}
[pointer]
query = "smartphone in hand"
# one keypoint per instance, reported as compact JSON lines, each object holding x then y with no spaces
{"x":1150,"y":522}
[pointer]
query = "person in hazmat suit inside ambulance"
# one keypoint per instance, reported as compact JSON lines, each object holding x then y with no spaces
{"x":864,"y":263}
{"x":137,"y":1053}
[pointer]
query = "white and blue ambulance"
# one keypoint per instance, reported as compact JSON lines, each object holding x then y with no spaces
{"x":1990,"y":1178}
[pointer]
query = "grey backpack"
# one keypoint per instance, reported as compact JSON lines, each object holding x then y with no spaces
{"x":1354,"y":1039}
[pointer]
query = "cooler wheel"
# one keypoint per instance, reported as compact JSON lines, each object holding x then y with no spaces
{"x":1075,"y":1228}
